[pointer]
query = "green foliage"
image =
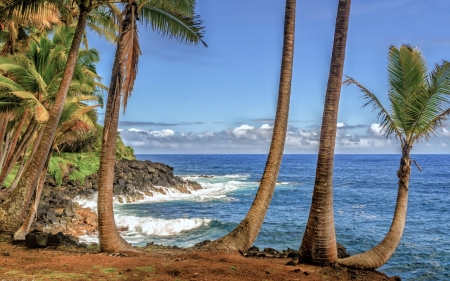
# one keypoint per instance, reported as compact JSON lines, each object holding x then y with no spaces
{"x":11,"y":176}
{"x":419,"y":99}
{"x":82,"y":164}
{"x":124,"y":152}
{"x":79,"y":165}
{"x":145,"y":268}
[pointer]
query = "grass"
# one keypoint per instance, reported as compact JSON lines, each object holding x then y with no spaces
{"x":44,"y":275}
{"x":85,"y":163}
{"x":145,"y":268}
{"x":112,"y":272}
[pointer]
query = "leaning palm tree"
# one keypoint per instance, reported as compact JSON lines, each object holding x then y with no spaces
{"x":171,"y":18}
{"x":419,"y":104}
{"x":12,"y":215}
{"x":75,"y":123}
{"x":243,"y":236}
{"x":36,"y":76}
{"x":319,"y":240}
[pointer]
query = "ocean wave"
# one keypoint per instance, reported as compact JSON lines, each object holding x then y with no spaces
{"x":138,"y":229}
{"x":159,"y":227}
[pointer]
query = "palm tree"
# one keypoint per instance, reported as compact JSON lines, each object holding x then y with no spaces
{"x":11,"y":214}
{"x":39,"y":76}
{"x":171,"y":18}
{"x":319,"y":240}
{"x":45,"y":16}
{"x":243,"y":236}
{"x":75,"y":123}
{"x":419,"y":104}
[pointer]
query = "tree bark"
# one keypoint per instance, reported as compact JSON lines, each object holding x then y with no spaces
{"x":13,"y":209}
{"x":319,"y":240}
{"x":19,"y":150}
{"x":381,"y":253}
{"x":243,"y":236}
{"x":109,"y":237}
{"x":26,"y":225}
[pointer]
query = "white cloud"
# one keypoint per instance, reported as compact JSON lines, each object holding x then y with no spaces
{"x":241,"y":131}
{"x":134,"y":130}
{"x":163,"y":134}
{"x":250,"y":139}
{"x":340,"y":124}
{"x":376,"y":130}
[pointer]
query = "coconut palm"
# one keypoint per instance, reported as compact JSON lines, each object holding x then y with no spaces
{"x":17,"y":20}
{"x":39,"y":75}
{"x":243,"y":236}
{"x":419,"y":104}
{"x":12,"y":214}
{"x":319,"y":240}
{"x":171,"y":18}
{"x":75,"y":123}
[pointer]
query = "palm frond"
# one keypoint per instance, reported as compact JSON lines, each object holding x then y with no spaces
{"x":434,"y":103}
{"x":39,"y":111}
{"x":186,"y":7}
{"x":387,"y":123}
{"x":102,"y":22}
{"x":130,"y":52}
{"x":407,"y":72}
{"x":173,"y":24}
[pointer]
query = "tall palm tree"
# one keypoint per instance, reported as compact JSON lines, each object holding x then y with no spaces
{"x":75,"y":123}
{"x":171,"y":18}
{"x":319,"y":240}
{"x":242,"y":237}
{"x":39,"y":74}
{"x":11,"y":214}
{"x":419,"y":104}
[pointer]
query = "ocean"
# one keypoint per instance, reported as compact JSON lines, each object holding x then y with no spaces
{"x":365,"y":190}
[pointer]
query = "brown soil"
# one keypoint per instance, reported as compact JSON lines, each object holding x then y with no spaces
{"x":159,"y":263}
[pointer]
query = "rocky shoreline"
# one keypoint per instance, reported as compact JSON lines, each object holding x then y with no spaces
{"x":134,"y":180}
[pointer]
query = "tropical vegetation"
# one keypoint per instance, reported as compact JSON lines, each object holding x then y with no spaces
{"x":419,"y":103}
{"x":175,"y":19}
{"x":49,"y":92}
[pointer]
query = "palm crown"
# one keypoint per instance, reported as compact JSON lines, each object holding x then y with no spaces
{"x":419,"y":100}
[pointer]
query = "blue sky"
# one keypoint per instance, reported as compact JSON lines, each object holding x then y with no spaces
{"x":222,"y":99}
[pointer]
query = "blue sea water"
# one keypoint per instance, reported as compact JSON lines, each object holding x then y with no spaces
{"x":365,"y":189}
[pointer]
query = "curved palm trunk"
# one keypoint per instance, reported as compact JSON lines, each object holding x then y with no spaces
{"x":319,"y":240}
{"x":381,"y":253}
{"x":12,"y":147}
{"x":14,"y":207}
{"x":243,"y":236}
{"x":20,"y":148}
{"x":109,"y":237}
{"x":26,"y":225}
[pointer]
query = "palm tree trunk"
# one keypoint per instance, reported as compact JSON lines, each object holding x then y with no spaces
{"x":18,"y":150}
{"x":381,"y":253}
{"x":319,"y":240}
{"x":26,"y":225}
{"x":14,"y":207}
{"x":109,"y":237}
{"x":243,"y":236}
{"x":15,"y":138}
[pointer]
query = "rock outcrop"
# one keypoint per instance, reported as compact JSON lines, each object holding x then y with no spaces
{"x":134,"y":180}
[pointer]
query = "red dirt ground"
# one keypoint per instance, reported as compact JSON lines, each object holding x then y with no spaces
{"x":19,"y":263}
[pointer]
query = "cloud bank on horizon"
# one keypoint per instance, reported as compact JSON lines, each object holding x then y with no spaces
{"x":250,"y":139}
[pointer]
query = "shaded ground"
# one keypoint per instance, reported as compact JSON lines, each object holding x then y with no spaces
{"x":158,"y":263}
